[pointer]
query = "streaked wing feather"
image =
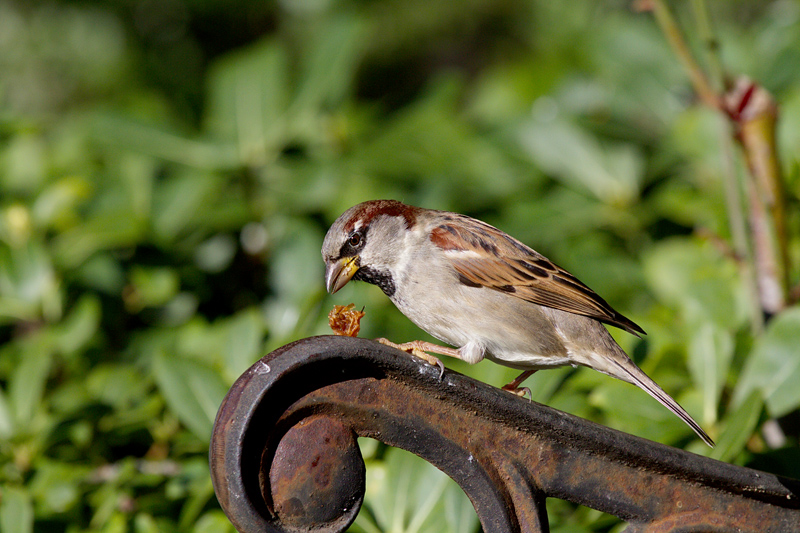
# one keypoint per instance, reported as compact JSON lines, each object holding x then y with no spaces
{"x":485,"y":256}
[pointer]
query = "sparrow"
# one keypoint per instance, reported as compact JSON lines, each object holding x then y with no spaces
{"x":473,"y":286}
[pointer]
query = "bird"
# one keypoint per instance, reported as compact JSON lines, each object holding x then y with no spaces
{"x":483,"y":292}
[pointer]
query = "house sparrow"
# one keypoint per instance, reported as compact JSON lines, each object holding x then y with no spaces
{"x":475,"y":287}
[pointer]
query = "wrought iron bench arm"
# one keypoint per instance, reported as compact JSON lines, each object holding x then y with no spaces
{"x":284,"y":455}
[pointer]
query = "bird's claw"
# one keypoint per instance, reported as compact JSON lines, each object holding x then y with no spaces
{"x":514,"y":386}
{"x":435,"y":361}
{"x":413,"y":349}
{"x":519,"y":391}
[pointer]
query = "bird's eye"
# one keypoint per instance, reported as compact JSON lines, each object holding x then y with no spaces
{"x":355,"y":239}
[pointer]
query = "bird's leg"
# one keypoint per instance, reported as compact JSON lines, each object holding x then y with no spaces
{"x":514,"y":386}
{"x":421,"y":348}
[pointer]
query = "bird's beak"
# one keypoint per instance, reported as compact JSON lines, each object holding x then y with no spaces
{"x":339,"y":272}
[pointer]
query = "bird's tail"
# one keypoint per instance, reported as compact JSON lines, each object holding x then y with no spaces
{"x":628,"y":371}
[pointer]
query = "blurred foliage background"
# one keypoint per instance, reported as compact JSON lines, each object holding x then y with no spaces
{"x":168,"y":169}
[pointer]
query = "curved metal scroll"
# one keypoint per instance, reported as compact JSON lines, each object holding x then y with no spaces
{"x":284,"y":456}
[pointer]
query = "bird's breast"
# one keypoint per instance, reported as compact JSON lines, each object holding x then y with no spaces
{"x":510,"y":331}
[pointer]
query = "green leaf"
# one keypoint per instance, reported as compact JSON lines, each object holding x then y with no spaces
{"x":330,"y":66}
{"x":192,"y":390}
{"x":6,"y":417}
{"x":426,"y":140}
{"x":27,"y":382}
{"x":739,"y":427}
{"x":153,"y":287}
{"x":248,"y":97}
{"x":197,"y":500}
{"x":693,"y":276}
{"x":117,"y":523}
{"x":25,"y":163}
{"x":145,"y":523}
{"x":297,"y":269}
{"x":243,"y":341}
{"x":80,"y":326}
{"x":459,"y":513}
{"x":161,"y":142}
{"x":28,"y":285}
{"x":632,"y":410}
{"x":612,"y":173}
{"x":57,"y":486}
{"x":107,"y":230}
{"x":59,"y":201}
{"x":235,"y":342}
{"x":710,"y":353}
{"x":213,"y":522}
{"x":182,"y":201}
{"x":103,"y":273}
{"x":16,"y":511}
{"x":215,"y":254}
{"x":406,"y":494}
{"x":119,"y":385}
{"x":773,"y":366}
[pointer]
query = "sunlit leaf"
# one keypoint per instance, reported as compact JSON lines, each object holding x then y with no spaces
{"x":57,"y":203}
{"x":424,"y":139}
{"x":406,"y":494}
{"x":330,"y":65}
{"x":25,"y":160}
{"x":107,"y":230}
{"x":297,"y":269}
{"x":694,"y":277}
{"x":243,"y":341}
{"x":28,"y":281}
{"x":118,"y":385}
{"x":710,"y":353}
{"x":773,"y":367}
{"x":738,"y":428}
{"x":248,"y":96}
{"x":56,"y":485}
{"x":103,"y":273}
{"x":79,"y":326}
{"x":180,"y":202}
{"x":26,"y":386}
{"x":632,"y":410}
{"x":213,"y":522}
{"x":163,"y":142}
{"x":117,"y":523}
{"x":612,"y":173}
{"x":16,"y":511}
{"x":152,"y":287}
{"x":145,"y":523}
{"x":6,"y":417}
{"x":193,"y":391}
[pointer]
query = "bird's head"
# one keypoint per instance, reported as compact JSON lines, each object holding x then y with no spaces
{"x":366,"y":243}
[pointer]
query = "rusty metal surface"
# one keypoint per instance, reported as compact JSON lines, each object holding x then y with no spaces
{"x":283,"y":454}
{"x":317,"y":474}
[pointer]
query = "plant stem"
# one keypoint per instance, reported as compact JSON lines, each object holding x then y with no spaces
{"x":732,"y":179}
{"x":673,"y":34}
{"x":710,"y":42}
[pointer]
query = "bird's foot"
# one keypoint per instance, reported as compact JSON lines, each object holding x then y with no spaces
{"x":418,"y":349}
{"x":522,"y":392}
{"x":514,"y":386}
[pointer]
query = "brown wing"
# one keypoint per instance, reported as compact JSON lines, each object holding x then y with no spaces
{"x":484,"y":256}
